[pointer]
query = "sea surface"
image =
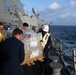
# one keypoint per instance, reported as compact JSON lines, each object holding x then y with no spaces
{"x":68,"y":36}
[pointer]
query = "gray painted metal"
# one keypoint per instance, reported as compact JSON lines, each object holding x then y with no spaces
{"x":56,"y":68}
{"x":54,"y":58}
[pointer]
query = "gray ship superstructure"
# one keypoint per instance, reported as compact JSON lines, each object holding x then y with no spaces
{"x":12,"y":12}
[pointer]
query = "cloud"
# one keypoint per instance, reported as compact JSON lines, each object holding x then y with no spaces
{"x":65,"y":15}
{"x":73,"y":3}
{"x":60,"y":14}
{"x":74,"y":15}
{"x":54,"y":6}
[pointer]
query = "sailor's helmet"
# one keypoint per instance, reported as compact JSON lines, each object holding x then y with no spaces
{"x":46,"y":28}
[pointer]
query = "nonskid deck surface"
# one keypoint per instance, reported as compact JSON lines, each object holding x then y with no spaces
{"x":35,"y":70}
{"x":38,"y":69}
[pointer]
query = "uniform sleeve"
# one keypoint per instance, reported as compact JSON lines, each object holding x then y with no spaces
{"x":21,"y":55}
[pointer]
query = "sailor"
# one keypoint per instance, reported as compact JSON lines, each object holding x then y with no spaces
{"x":40,"y":29}
{"x":2,"y":33}
{"x":45,"y":39}
{"x":25,"y":27}
{"x":27,"y":31}
{"x":2,"y":38}
{"x":13,"y":54}
{"x":34,"y":28}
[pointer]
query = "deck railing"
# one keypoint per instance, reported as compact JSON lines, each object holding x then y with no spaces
{"x":57,"y":45}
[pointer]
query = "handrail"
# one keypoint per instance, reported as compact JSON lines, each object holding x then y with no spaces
{"x":57,"y":44}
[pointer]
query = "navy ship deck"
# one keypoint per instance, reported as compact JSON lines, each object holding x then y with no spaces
{"x":37,"y":68}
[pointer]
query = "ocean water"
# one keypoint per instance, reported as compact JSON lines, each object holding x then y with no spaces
{"x":68,"y":36}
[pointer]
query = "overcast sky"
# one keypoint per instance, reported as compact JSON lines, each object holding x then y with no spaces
{"x":61,"y":12}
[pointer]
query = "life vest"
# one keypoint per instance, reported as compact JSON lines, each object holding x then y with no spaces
{"x":2,"y":35}
{"x":44,"y":39}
